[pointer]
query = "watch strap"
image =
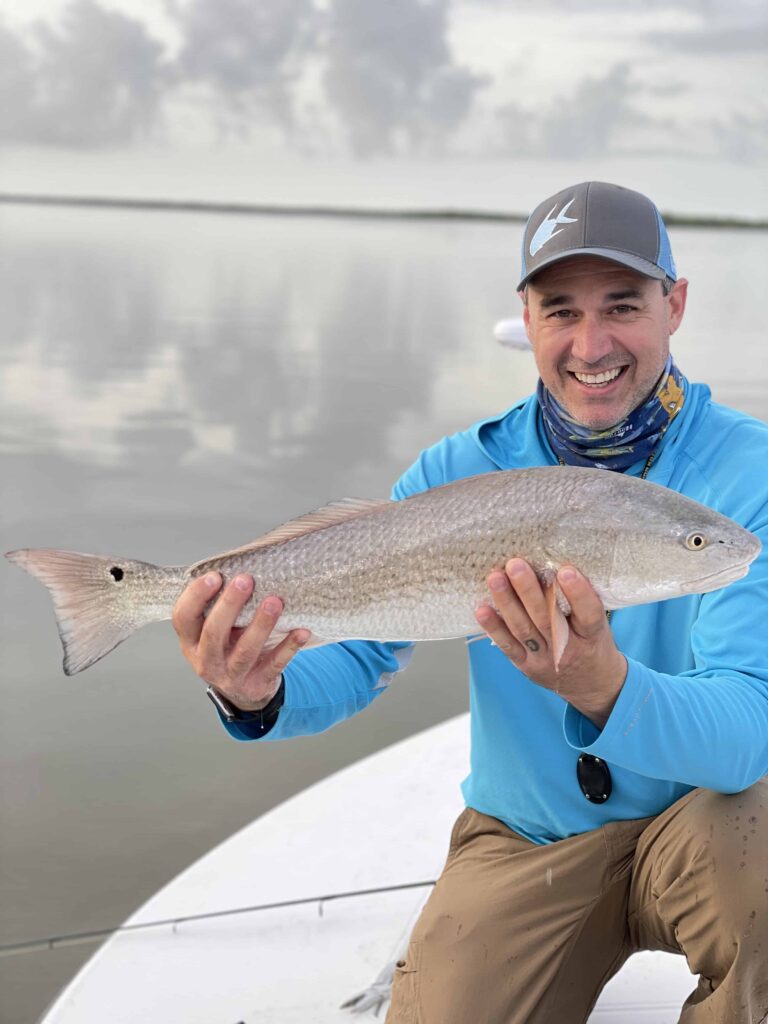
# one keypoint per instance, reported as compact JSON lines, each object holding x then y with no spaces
{"x":266,"y":716}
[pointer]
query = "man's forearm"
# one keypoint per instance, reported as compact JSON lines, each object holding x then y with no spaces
{"x":597,"y":704}
{"x":705,"y":730}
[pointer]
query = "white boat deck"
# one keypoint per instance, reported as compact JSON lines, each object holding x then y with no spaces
{"x":383,"y":821}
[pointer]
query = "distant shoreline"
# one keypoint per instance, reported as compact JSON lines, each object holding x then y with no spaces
{"x":363,"y":213}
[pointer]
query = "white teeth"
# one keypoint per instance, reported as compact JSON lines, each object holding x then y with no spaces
{"x":598,"y":378}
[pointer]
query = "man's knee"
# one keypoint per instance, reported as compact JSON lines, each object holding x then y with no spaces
{"x":731,"y":831}
{"x":735,"y":828}
{"x":701,"y":868}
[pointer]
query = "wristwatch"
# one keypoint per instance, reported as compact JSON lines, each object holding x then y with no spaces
{"x":266,"y":716}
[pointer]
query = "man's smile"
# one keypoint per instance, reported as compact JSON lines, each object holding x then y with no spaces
{"x":601,"y":381}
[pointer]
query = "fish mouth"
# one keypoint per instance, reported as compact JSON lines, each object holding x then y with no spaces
{"x":714,"y":580}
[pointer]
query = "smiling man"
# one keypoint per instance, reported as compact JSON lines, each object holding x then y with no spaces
{"x":601,"y":337}
{"x":616,"y":803}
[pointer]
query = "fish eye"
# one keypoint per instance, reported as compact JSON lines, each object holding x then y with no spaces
{"x":116,"y":573}
{"x":695,"y":541}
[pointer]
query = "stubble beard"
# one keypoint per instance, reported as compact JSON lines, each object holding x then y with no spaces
{"x":597,"y":422}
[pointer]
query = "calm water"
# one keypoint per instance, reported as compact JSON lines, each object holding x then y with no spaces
{"x":172,"y":385}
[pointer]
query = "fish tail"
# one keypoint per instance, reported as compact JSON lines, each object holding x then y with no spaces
{"x":99,"y":601}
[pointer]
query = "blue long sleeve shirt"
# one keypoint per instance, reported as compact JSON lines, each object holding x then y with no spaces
{"x":693,"y":710}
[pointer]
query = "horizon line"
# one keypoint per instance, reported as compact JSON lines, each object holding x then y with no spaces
{"x":360,"y":212}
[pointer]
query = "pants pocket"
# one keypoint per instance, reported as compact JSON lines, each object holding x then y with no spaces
{"x":404,"y":1008}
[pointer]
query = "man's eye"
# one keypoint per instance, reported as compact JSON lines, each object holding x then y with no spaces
{"x":624,"y":308}
{"x":560,"y":314}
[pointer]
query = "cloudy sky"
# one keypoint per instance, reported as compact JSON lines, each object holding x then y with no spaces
{"x":404,"y":81}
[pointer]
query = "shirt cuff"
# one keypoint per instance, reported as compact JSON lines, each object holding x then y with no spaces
{"x":581,"y":733}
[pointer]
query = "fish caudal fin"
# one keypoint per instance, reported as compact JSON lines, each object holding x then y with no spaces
{"x":99,"y":601}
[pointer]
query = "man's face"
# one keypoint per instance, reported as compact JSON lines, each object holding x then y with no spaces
{"x":600,"y":334}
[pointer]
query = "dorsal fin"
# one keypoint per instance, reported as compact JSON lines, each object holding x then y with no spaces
{"x":329,"y":515}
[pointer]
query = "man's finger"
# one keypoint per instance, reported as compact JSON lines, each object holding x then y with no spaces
{"x":513,"y":612}
{"x":250,"y":643}
{"x":282,"y":654}
{"x":215,"y":635}
{"x":528,"y":590}
{"x":188,"y":618}
{"x":587,"y":617}
{"x":497,"y":630}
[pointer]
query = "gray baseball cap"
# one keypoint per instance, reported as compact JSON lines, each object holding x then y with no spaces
{"x":598,"y":219}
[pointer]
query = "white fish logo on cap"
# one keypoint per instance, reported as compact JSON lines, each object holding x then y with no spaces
{"x":546,"y":230}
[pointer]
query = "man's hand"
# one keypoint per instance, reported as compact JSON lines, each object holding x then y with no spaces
{"x":229,"y":657}
{"x":592,"y":670}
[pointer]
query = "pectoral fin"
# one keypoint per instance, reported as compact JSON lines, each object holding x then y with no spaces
{"x":557,"y":621}
{"x":276,"y":637}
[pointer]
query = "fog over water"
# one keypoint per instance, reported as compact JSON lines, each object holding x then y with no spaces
{"x":172,"y":385}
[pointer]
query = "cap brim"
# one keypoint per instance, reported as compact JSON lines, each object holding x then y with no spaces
{"x":626,"y":259}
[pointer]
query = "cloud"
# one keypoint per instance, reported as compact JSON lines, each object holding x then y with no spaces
{"x":94,"y":79}
{"x":591,"y":119}
{"x":16,"y":77}
{"x":391,"y":77}
{"x":249,"y":53}
{"x":706,"y":9}
{"x":615,"y":114}
{"x":715,"y":39}
{"x":384,"y":77}
{"x":743,"y":137}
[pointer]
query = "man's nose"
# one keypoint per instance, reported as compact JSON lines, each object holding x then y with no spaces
{"x":591,"y":340}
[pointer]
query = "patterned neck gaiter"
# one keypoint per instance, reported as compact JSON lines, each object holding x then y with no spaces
{"x":623,"y":444}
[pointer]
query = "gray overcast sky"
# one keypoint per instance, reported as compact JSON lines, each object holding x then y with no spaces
{"x":406,"y":79}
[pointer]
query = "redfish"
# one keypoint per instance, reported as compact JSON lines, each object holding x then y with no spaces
{"x":416,"y":569}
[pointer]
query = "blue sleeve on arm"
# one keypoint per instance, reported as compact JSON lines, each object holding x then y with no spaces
{"x":709,"y":731}
{"x":325,"y":685}
{"x":706,"y":725}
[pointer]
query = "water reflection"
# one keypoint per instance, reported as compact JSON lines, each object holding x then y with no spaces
{"x":291,"y":351}
{"x":272,"y":348}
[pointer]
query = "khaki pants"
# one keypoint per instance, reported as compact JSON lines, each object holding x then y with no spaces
{"x":516,"y":933}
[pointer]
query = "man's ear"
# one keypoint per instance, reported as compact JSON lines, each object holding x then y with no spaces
{"x":676,"y":303}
